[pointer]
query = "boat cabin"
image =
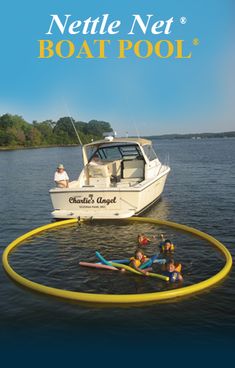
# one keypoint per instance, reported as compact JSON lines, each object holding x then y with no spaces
{"x":114,"y":162}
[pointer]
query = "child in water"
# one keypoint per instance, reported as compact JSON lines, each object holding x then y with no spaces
{"x":167,"y":246}
{"x":143,"y":240}
{"x":138,"y":260}
{"x":171,"y":271}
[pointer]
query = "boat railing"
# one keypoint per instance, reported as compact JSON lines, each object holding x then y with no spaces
{"x":165,"y":164}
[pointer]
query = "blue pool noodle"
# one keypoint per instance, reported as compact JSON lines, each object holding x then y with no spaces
{"x":123,"y":261}
{"x":102,"y":259}
{"x":149,"y":263}
{"x":152,"y":260}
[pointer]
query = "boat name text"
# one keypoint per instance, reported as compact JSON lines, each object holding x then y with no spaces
{"x":92,"y":200}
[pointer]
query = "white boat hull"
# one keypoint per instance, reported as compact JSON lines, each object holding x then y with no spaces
{"x":107,"y":203}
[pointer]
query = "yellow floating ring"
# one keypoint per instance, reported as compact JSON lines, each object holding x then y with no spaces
{"x":121,"y":298}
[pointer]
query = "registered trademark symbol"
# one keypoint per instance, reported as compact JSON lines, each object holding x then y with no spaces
{"x":183,"y":20}
{"x":195,"y":41}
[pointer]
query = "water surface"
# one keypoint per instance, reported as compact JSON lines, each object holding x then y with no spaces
{"x":200,"y":192}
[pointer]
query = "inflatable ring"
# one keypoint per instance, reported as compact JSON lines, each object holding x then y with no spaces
{"x":121,"y":298}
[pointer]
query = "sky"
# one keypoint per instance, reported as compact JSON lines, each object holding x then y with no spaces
{"x":140,"y":96}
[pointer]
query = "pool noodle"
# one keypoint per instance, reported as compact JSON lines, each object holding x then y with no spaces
{"x":98,"y":265}
{"x":153,"y":259}
{"x":149,"y":263}
{"x":128,"y":268}
{"x":102,"y":259}
{"x":124,"y":261}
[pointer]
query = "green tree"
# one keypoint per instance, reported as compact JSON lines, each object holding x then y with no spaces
{"x":35,"y":137}
{"x":15,"y":131}
{"x":46,"y":130}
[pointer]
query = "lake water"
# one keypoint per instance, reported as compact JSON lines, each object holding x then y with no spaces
{"x":200,"y":192}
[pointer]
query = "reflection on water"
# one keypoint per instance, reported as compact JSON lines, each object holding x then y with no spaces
{"x":160,"y":210}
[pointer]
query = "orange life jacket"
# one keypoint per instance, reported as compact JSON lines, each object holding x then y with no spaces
{"x":138,"y":262}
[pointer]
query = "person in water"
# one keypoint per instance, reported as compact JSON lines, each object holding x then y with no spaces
{"x":143,"y":240}
{"x":138,"y":259}
{"x":167,"y":246}
{"x":171,"y":271}
{"x":61,"y":177}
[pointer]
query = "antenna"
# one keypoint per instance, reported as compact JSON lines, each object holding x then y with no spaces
{"x":78,"y":137}
{"x":137,"y":130}
{"x":76,"y":132}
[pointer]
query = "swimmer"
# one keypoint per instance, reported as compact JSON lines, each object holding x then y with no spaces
{"x":143,"y":240}
{"x":138,"y":260}
{"x":167,"y":246}
{"x":171,"y":271}
{"x":178,"y":266}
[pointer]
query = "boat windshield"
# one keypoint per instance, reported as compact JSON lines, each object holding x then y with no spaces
{"x":149,"y":151}
{"x":117,"y":152}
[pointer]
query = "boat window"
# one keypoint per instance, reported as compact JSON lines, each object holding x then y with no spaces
{"x":91,"y":151}
{"x":110,"y":153}
{"x":117,"y":152}
{"x":101,"y":154}
{"x":130,"y":151}
{"x":149,"y":151}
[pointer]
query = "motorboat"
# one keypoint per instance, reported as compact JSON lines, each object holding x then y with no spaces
{"x":121,"y":177}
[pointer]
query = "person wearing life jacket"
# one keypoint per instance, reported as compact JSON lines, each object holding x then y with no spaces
{"x":143,"y":240}
{"x":171,"y":272}
{"x":138,"y":259}
{"x":167,"y":246}
{"x":178,"y":266}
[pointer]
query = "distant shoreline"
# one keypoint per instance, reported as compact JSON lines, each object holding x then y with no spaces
{"x":193,"y":135}
{"x":14,"y":148}
{"x":151,"y":137}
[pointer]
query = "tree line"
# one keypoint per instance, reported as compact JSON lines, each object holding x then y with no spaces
{"x":16,"y":132}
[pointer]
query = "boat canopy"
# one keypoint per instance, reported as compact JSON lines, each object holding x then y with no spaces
{"x":140,"y":141}
{"x":115,"y":148}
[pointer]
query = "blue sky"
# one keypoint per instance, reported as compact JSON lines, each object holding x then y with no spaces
{"x":144,"y":96}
